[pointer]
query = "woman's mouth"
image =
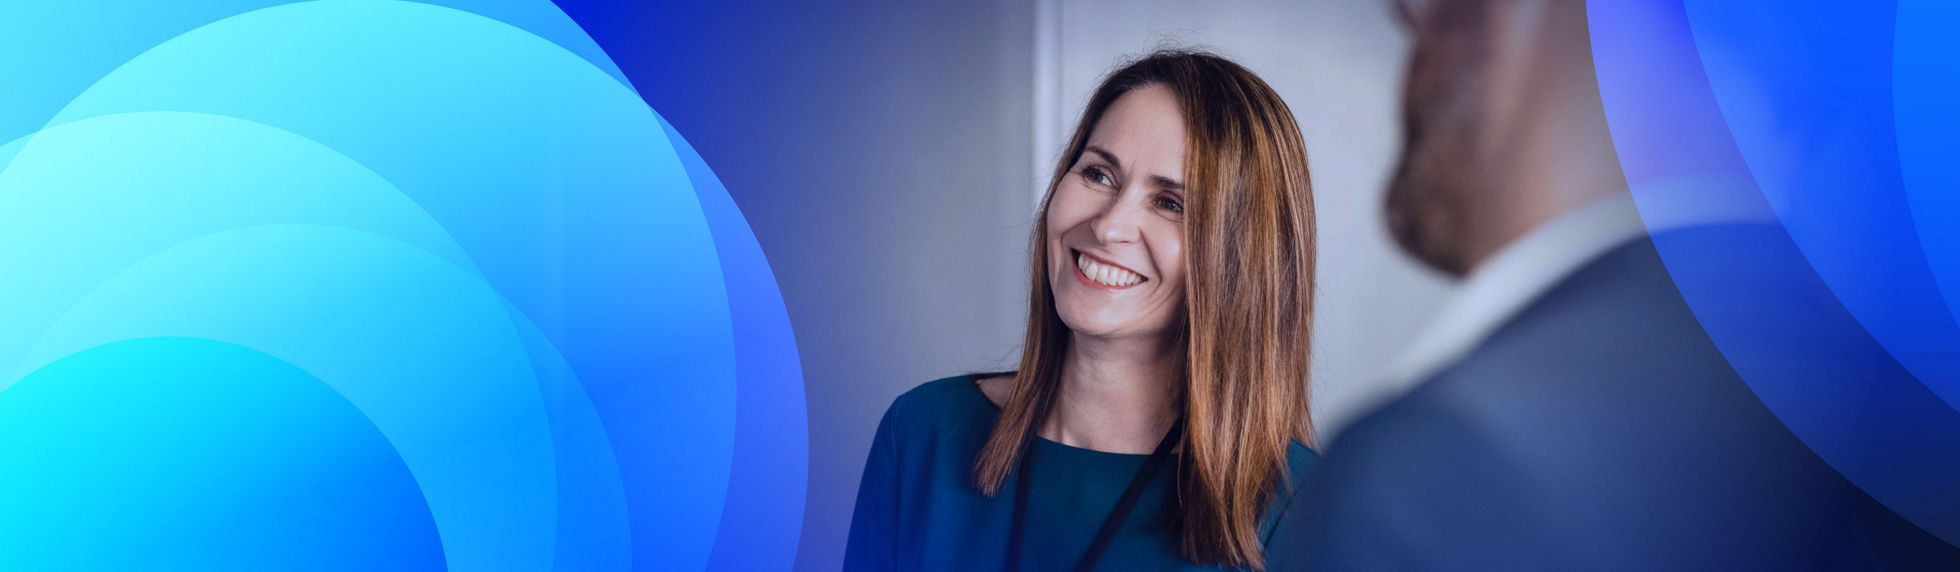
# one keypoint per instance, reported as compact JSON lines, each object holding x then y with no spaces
{"x":1102,"y":274}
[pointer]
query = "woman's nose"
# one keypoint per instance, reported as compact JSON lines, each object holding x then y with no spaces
{"x":1118,"y":221}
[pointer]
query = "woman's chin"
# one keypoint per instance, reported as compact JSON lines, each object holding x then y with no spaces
{"x":1102,"y":327}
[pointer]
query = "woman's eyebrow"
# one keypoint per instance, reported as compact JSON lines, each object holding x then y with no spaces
{"x":1106,"y":155}
{"x":1168,"y":183}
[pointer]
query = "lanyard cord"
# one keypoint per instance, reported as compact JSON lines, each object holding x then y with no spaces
{"x":1017,"y":531}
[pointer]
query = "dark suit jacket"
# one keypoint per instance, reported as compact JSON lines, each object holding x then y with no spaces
{"x":1598,"y":429}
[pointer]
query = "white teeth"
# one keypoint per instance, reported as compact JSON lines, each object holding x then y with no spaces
{"x":1105,"y":274}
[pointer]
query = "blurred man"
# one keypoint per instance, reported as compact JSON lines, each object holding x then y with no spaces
{"x":1568,"y":411}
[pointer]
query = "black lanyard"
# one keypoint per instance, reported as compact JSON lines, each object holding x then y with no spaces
{"x":1110,"y":525}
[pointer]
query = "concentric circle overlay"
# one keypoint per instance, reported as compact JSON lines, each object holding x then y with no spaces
{"x":373,"y":285}
{"x":1816,"y":138}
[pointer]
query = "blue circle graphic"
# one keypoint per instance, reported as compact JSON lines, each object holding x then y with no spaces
{"x":1827,"y":127}
{"x":481,"y":276}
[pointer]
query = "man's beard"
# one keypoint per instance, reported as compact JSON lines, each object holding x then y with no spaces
{"x":1435,"y":181}
{"x":1444,"y":168}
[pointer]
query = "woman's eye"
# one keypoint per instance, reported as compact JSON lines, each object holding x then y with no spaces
{"x":1098,"y":176}
{"x":1170,"y":204}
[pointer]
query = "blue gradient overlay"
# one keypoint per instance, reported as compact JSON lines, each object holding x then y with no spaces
{"x":1834,"y":121}
{"x":373,"y":284}
{"x":364,"y":284}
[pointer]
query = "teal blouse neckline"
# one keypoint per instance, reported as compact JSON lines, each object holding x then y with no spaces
{"x":973,"y":384}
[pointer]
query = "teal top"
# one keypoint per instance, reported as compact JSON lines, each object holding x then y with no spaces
{"x":917,"y":508}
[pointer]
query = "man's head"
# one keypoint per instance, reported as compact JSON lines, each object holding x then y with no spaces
{"x":1502,"y":127}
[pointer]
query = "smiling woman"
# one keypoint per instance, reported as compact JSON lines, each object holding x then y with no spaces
{"x":1168,"y":324}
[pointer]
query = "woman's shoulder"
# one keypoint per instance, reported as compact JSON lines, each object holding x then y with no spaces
{"x":937,"y":404}
{"x":1300,"y":460}
{"x":956,"y":392}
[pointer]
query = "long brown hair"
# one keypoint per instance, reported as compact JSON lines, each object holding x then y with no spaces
{"x":1249,"y":251}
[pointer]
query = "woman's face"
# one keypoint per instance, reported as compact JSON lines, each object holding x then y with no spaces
{"x":1116,"y":222}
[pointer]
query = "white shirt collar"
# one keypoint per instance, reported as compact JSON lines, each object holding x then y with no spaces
{"x":1518,"y":274}
{"x":1526,"y":268}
